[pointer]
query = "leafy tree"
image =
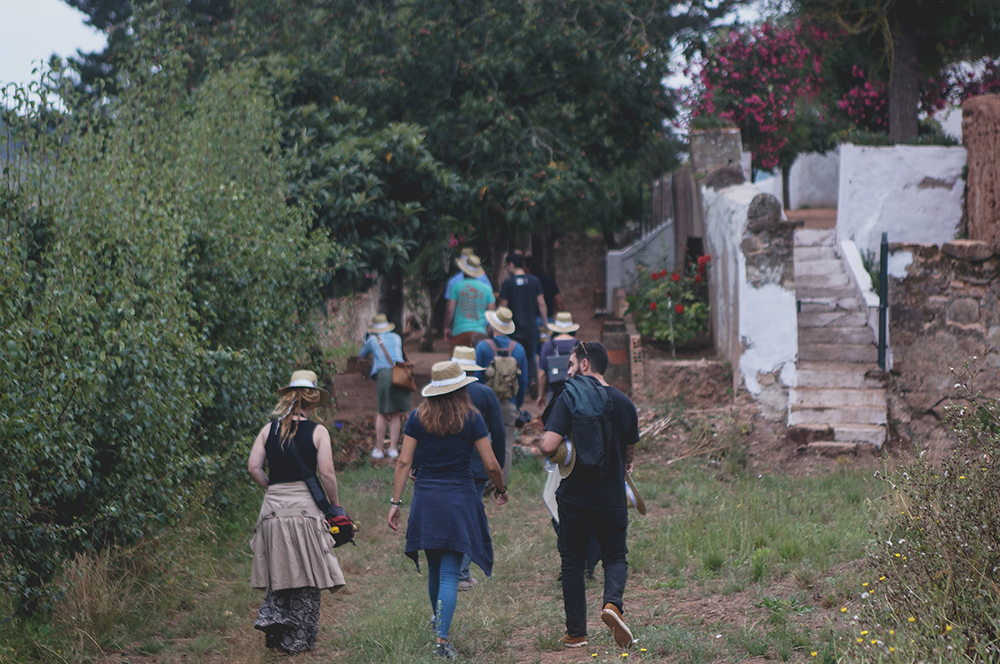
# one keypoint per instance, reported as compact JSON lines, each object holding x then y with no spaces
{"x":901,"y":41}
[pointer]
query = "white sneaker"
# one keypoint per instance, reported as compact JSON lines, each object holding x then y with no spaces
{"x":377,"y":453}
{"x":393,"y":453}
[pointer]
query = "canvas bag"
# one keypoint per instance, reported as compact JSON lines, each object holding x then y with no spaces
{"x":402,"y":372}
{"x":503,"y":372}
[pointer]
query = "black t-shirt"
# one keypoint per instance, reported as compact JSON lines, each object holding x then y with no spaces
{"x":609,"y":491}
{"x":521,"y":292}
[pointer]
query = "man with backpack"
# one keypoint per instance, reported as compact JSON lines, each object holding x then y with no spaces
{"x":602,"y":427}
{"x":506,"y":373}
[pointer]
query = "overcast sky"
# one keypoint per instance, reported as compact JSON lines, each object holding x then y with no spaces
{"x":32,"y":30}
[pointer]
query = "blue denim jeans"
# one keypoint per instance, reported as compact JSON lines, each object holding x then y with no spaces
{"x":442,"y":586}
{"x":575,"y":527}
{"x":464,"y":574}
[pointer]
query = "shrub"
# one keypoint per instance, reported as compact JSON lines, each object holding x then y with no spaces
{"x":151,"y":277}
{"x":671,"y":306}
{"x":932,"y":592}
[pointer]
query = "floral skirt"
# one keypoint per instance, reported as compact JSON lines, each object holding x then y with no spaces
{"x":290,"y":619}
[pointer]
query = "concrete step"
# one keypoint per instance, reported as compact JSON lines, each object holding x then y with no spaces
{"x":803,"y":268}
{"x":813,"y":352}
{"x":836,"y":416}
{"x":833,"y":449}
{"x":800,"y":254}
{"x":870,"y":434}
{"x":833,"y":319}
{"x":809,"y":237}
{"x":809,"y":292}
{"x":840,"y":375}
{"x":821,"y":305}
{"x":836,"y":335}
{"x":808,"y":281}
{"x":827,"y":397}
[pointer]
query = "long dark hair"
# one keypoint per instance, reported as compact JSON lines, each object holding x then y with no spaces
{"x":445,"y":415}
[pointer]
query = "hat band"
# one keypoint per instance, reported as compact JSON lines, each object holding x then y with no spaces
{"x":569,"y":452}
{"x":560,"y":324}
{"x":303,"y":383}
{"x":470,"y":363}
{"x":448,"y":381}
{"x":381,"y":326}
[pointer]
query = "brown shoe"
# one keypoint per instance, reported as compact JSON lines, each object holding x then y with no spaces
{"x":574,"y":641}
{"x":612,"y":617}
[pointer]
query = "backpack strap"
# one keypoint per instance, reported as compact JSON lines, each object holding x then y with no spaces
{"x":309,"y":477}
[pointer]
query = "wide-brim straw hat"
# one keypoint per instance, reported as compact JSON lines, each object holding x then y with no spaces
{"x":446,"y":377}
{"x":380,"y":324}
{"x":471,"y":266}
{"x":632,"y":495}
{"x":305,"y":379}
{"x":563,"y":324}
{"x":565,"y":457}
{"x":465,"y":356}
{"x":501,"y":320}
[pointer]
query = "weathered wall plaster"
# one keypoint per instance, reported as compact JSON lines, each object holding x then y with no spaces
{"x":656,"y":249}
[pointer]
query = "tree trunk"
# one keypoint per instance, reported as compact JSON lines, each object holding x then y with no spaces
{"x":390,"y":297}
{"x":904,"y":95}
{"x":786,"y":173}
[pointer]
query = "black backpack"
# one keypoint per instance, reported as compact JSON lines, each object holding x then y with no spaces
{"x":592,"y":426}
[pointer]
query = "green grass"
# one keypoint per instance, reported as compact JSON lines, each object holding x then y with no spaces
{"x":772,"y":547}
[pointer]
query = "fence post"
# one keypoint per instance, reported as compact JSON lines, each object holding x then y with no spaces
{"x":883,"y":299}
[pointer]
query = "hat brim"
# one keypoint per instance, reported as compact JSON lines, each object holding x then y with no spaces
{"x":431,"y":390}
{"x":324,"y":394}
{"x":388,"y":328}
{"x":567,"y":469}
{"x":563,"y":330}
{"x":468,"y":367}
{"x":640,"y":504}
{"x":464,"y":267}
{"x":498,"y":325}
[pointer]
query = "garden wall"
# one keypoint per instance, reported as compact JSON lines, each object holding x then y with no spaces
{"x":655,"y":249}
{"x":981,"y":127}
{"x":914,"y":193}
{"x":752,"y":292}
{"x":945,"y":309}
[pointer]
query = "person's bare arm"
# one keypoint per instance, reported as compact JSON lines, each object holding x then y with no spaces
{"x":492,"y":467}
{"x":550,"y":443}
{"x":324,"y":464}
{"x":503,"y":303}
{"x":403,"y":464}
{"x":542,"y":309}
{"x":255,"y":464}
{"x":558,"y":301}
{"x":449,"y":317}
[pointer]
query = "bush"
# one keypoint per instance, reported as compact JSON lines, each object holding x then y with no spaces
{"x":151,"y":277}
{"x":671,"y":306}
{"x":932,"y":590}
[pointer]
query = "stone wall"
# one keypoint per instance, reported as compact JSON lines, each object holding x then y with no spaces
{"x":981,"y":129}
{"x":944,"y":310}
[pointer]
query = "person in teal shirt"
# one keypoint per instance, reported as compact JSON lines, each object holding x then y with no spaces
{"x":468,"y":302}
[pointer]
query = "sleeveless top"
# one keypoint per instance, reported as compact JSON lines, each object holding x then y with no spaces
{"x":281,"y":464}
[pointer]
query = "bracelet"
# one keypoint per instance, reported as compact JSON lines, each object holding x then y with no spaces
{"x":395,"y":503}
{"x":502,"y":492}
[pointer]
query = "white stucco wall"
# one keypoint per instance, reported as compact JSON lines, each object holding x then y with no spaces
{"x":814,"y":180}
{"x":656,"y":249}
{"x":913,"y":193}
{"x":755,"y":328}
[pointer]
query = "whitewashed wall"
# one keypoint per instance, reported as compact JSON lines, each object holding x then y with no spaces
{"x":914,"y":193}
{"x":814,"y":180}
{"x":656,"y":249}
{"x":755,"y":328}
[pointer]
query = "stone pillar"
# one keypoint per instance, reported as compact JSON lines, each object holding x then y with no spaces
{"x":981,"y":132}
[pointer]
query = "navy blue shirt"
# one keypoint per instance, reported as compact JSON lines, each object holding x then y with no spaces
{"x":445,"y":456}
{"x":485,"y":400}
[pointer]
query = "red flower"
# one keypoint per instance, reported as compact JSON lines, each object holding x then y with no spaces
{"x":679,"y":308}
{"x":652,"y":306}
{"x":697,"y":278}
{"x":663,"y":274}
{"x":655,"y":276}
{"x":675,"y":276}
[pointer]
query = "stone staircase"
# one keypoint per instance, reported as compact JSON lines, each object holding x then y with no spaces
{"x":840,"y":401}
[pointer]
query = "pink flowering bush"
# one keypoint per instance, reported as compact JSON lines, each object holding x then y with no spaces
{"x":671,"y":306}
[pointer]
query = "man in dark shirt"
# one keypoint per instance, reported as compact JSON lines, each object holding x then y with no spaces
{"x":589,"y":502}
{"x":522,"y":294}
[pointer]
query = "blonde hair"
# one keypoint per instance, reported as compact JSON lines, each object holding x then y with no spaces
{"x":445,"y":414}
{"x":292,"y":403}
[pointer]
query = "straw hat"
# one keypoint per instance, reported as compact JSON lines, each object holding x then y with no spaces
{"x":632,"y":495}
{"x":471,"y":266}
{"x":303,"y":378}
{"x":380,"y":324}
{"x":466,"y":252}
{"x":563,"y":324}
{"x":502,"y":320}
{"x":565,"y":457}
{"x":446,"y":377}
{"x":466,"y":358}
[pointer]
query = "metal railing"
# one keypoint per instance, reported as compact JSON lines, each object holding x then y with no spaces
{"x":883,"y":301}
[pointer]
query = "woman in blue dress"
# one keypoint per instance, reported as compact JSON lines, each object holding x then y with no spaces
{"x":447,"y":519}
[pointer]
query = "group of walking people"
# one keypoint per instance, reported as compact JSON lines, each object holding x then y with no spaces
{"x":455,"y":446}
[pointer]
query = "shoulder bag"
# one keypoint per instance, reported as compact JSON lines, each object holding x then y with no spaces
{"x":402,"y":372}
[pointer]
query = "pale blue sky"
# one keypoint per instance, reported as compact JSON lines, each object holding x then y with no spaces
{"x":32,"y":30}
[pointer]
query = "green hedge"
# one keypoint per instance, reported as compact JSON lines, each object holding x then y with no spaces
{"x":151,"y":281}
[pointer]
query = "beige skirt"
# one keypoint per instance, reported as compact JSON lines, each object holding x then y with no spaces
{"x":292,"y":547}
